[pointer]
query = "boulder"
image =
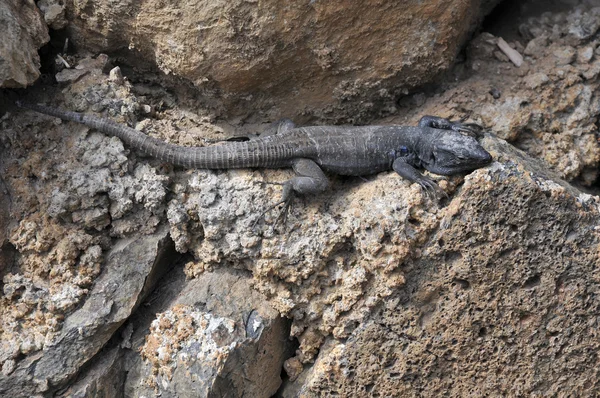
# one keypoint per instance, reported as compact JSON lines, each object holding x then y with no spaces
{"x":23,"y":32}
{"x":341,"y":60}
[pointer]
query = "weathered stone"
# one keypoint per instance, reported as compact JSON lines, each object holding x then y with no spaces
{"x":219,"y":337}
{"x":105,"y":377}
{"x":564,"y":55}
{"x":23,"y":32}
{"x":501,"y":300}
{"x":535,"y":80}
{"x":285,"y":58}
{"x":368,"y":266}
{"x":54,"y":13}
{"x":130,"y":271}
{"x":585,"y":54}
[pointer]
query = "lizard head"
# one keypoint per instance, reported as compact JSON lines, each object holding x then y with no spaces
{"x":453,"y":152}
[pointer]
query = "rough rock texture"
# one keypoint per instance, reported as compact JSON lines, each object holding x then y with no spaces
{"x":129,"y":272}
{"x":491,"y":291}
{"x":23,"y":32}
{"x":68,"y":277}
{"x":500,"y":300}
{"x":548,"y":107}
{"x":342,"y":60}
{"x":218,"y":337}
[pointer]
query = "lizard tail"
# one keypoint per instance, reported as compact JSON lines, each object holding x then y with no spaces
{"x":228,"y":156}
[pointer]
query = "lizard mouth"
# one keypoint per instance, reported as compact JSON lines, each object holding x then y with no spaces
{"x":481,"y":157}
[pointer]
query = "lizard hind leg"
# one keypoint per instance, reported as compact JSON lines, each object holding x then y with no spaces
{"x":310,"y":179}
{"x":277,"y":127}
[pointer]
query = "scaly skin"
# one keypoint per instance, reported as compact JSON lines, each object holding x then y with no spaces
{"x":438,"y":145}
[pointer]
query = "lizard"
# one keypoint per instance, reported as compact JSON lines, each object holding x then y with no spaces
{"x":436,"y":144}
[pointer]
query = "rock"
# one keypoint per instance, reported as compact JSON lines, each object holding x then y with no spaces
{"x":564,"y":55}
{"x":103,"y":378}
{"x":380,"y":282}
{"x":130,"y":271}
{"x":503,"y":284}
{"x":285,"y":59}
{"x":585,"y":54}
{"x":7,"y":251}
{"x":85,"y":66}
{"x":23,"y":32}
{"x":535,"y":80}
{"x":54,"y":13}
{"x":547,"y":110}
{"x":116,"y":76}
{"x":536,"y":46}
{"x":218,"y":337}
{"x":584,"y":23}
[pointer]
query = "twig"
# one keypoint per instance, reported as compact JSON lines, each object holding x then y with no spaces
{"x":63,"y":61}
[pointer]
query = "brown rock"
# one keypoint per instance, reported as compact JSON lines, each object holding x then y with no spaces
{"x":288,"y":58}
{"x":500,"y":302}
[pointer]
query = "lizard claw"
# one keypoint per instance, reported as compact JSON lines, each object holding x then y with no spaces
{"x":472,"y":129}
{"x":286,"y":200}
{"x":432,"y":190}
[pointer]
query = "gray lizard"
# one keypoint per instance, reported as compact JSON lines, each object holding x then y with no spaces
{"x":436,"y":144}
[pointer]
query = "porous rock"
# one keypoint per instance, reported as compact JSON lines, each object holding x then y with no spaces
{"x":23,"y":32}
{"x":285,"y":58}
{"x":501,"y":300}
{"x":69,"y":287}
{"x":337,"y":257}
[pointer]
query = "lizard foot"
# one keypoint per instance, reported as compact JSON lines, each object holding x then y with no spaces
{"x":432,"y":189}
{"x":282,"y":215}
{"x":286,"y":201}
{"x":472,"y":129}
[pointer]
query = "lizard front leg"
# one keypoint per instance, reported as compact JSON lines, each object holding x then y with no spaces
{"x":406,"y":170}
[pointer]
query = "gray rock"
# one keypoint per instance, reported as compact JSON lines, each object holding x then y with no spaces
{"x":130,"y":271}
{"x":23,"y":32}
{"x":218,"y":337}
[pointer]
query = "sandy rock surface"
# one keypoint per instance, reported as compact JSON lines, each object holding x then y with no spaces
{"x":342,"y":61}
{"x":501,"y":299}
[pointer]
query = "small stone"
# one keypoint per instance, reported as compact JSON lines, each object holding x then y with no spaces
{"x":293,"y":367}
{"x":54,"y":13}
{"x":536,"y":46}
{"x":593,"y":70}
{"x":145,"y":108}
{"x":535,"y":80}
{"x":8,"y":367}
{"x":116,"y":76}
{"x":70,"y":75}
{"x":564,"y":55}
{"x":495,"y":93}
{"x":585,"y":54}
